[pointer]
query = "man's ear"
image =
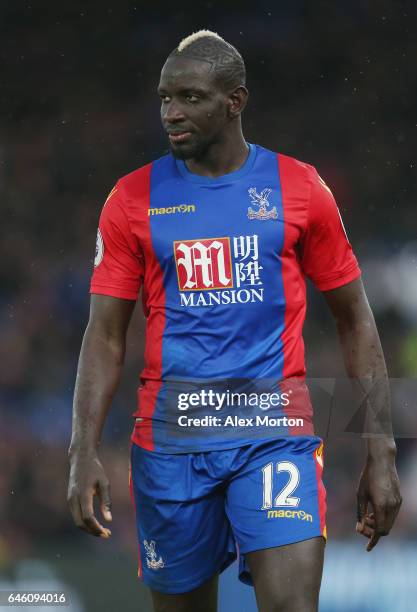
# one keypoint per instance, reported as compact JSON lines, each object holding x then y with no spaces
{"x":237,"y":101}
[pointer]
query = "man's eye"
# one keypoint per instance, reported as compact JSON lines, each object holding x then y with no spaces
{"x":192,"y":98}
{"x":164,"y":98}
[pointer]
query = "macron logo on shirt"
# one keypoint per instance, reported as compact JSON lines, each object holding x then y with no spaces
{"x":170,"y":210}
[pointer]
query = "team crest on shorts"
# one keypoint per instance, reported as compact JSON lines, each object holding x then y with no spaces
{"x":261,"y":200}
{"x":151,"y":556}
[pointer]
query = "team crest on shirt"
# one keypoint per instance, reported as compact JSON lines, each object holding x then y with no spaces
{"x":99,"y":249}
{"x":152,"y":560}
{"x":261,"y":200}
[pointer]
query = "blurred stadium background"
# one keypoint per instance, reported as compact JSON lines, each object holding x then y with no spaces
{"x":332,"y":83}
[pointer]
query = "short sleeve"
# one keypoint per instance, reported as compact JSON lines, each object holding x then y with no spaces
{"x":118,"y":265}
{"x":327,"y":257}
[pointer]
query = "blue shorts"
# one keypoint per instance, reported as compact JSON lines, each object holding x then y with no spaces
{"x":195,"y":512}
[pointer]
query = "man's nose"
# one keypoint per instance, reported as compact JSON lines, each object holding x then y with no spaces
{"x":172,"y":112}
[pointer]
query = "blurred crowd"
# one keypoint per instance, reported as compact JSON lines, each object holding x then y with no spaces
{"x":333,"y":84}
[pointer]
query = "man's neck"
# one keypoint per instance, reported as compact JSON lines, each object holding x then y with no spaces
{"x":221,"y":158}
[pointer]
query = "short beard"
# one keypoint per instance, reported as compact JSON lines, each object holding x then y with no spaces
{"x":180,"y":154}
{"x":194,"y":152}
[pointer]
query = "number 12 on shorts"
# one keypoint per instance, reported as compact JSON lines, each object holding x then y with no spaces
{"x":284,"y":497}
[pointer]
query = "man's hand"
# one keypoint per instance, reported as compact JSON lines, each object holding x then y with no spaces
{"x":87,"y":479}
{"x":379,"y":487}
{"x":98,"y":375}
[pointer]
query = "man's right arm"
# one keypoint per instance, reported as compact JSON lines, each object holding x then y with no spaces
{"x":99,"y":370}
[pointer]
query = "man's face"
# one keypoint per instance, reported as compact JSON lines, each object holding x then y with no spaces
{"x":193,"y":108}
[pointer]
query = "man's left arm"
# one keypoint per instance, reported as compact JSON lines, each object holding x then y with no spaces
{"x":379,"y":497}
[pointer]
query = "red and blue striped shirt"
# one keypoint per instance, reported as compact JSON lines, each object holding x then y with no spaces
{"x":222,"y":264}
